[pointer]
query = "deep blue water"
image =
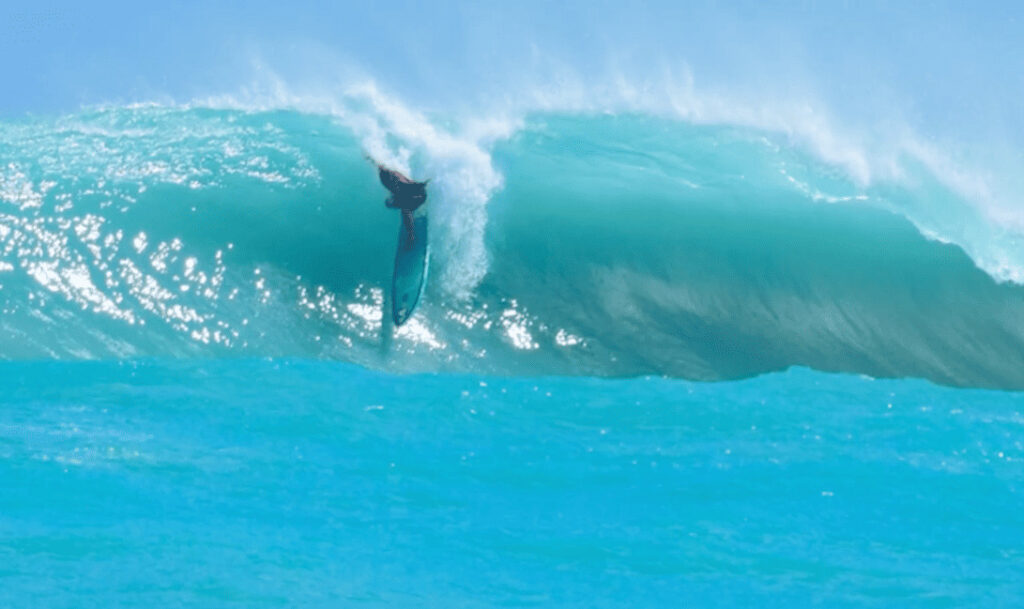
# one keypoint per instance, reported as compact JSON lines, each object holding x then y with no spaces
{"x":297,"y":483}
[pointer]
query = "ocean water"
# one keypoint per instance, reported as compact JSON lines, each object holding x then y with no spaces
{"x":203,"y":405}
{"x":680,"y":347}
{"x":299,"y":483}
{"x":609,"y":245}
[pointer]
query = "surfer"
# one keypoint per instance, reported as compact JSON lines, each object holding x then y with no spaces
{"x":412,"y":254}
{"x":406,"y":196}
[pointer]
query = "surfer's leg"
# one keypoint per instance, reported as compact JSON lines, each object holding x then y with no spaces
{"x":407,"y":223}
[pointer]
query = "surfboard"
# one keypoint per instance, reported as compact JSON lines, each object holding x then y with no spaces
{"x":411,"y":260}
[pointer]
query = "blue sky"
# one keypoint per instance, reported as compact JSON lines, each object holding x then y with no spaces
{"x":938,"y":65}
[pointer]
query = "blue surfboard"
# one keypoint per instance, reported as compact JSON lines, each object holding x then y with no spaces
{"x":411,"y":260}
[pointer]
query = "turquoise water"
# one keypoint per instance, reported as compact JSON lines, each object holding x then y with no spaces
{"x":162,"y":231}
{"x":659,"y":363}
{"x":297,"y":483}
{"x":725,"y":305}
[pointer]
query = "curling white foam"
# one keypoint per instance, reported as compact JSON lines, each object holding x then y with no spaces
{"x":456,"y":160}
{"x":462,"y":178}
{"x":981,"y":221}
{"x":978,"y":211}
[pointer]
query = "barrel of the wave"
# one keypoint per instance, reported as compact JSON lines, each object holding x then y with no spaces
{"x":413,"y":252}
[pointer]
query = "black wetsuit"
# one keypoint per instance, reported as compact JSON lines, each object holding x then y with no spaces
{"x":406,"y":195}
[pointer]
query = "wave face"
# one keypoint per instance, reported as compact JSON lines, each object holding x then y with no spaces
{"x":577,"y":244}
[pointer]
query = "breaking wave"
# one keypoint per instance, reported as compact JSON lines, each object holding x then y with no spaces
{"x":564,"y":243}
